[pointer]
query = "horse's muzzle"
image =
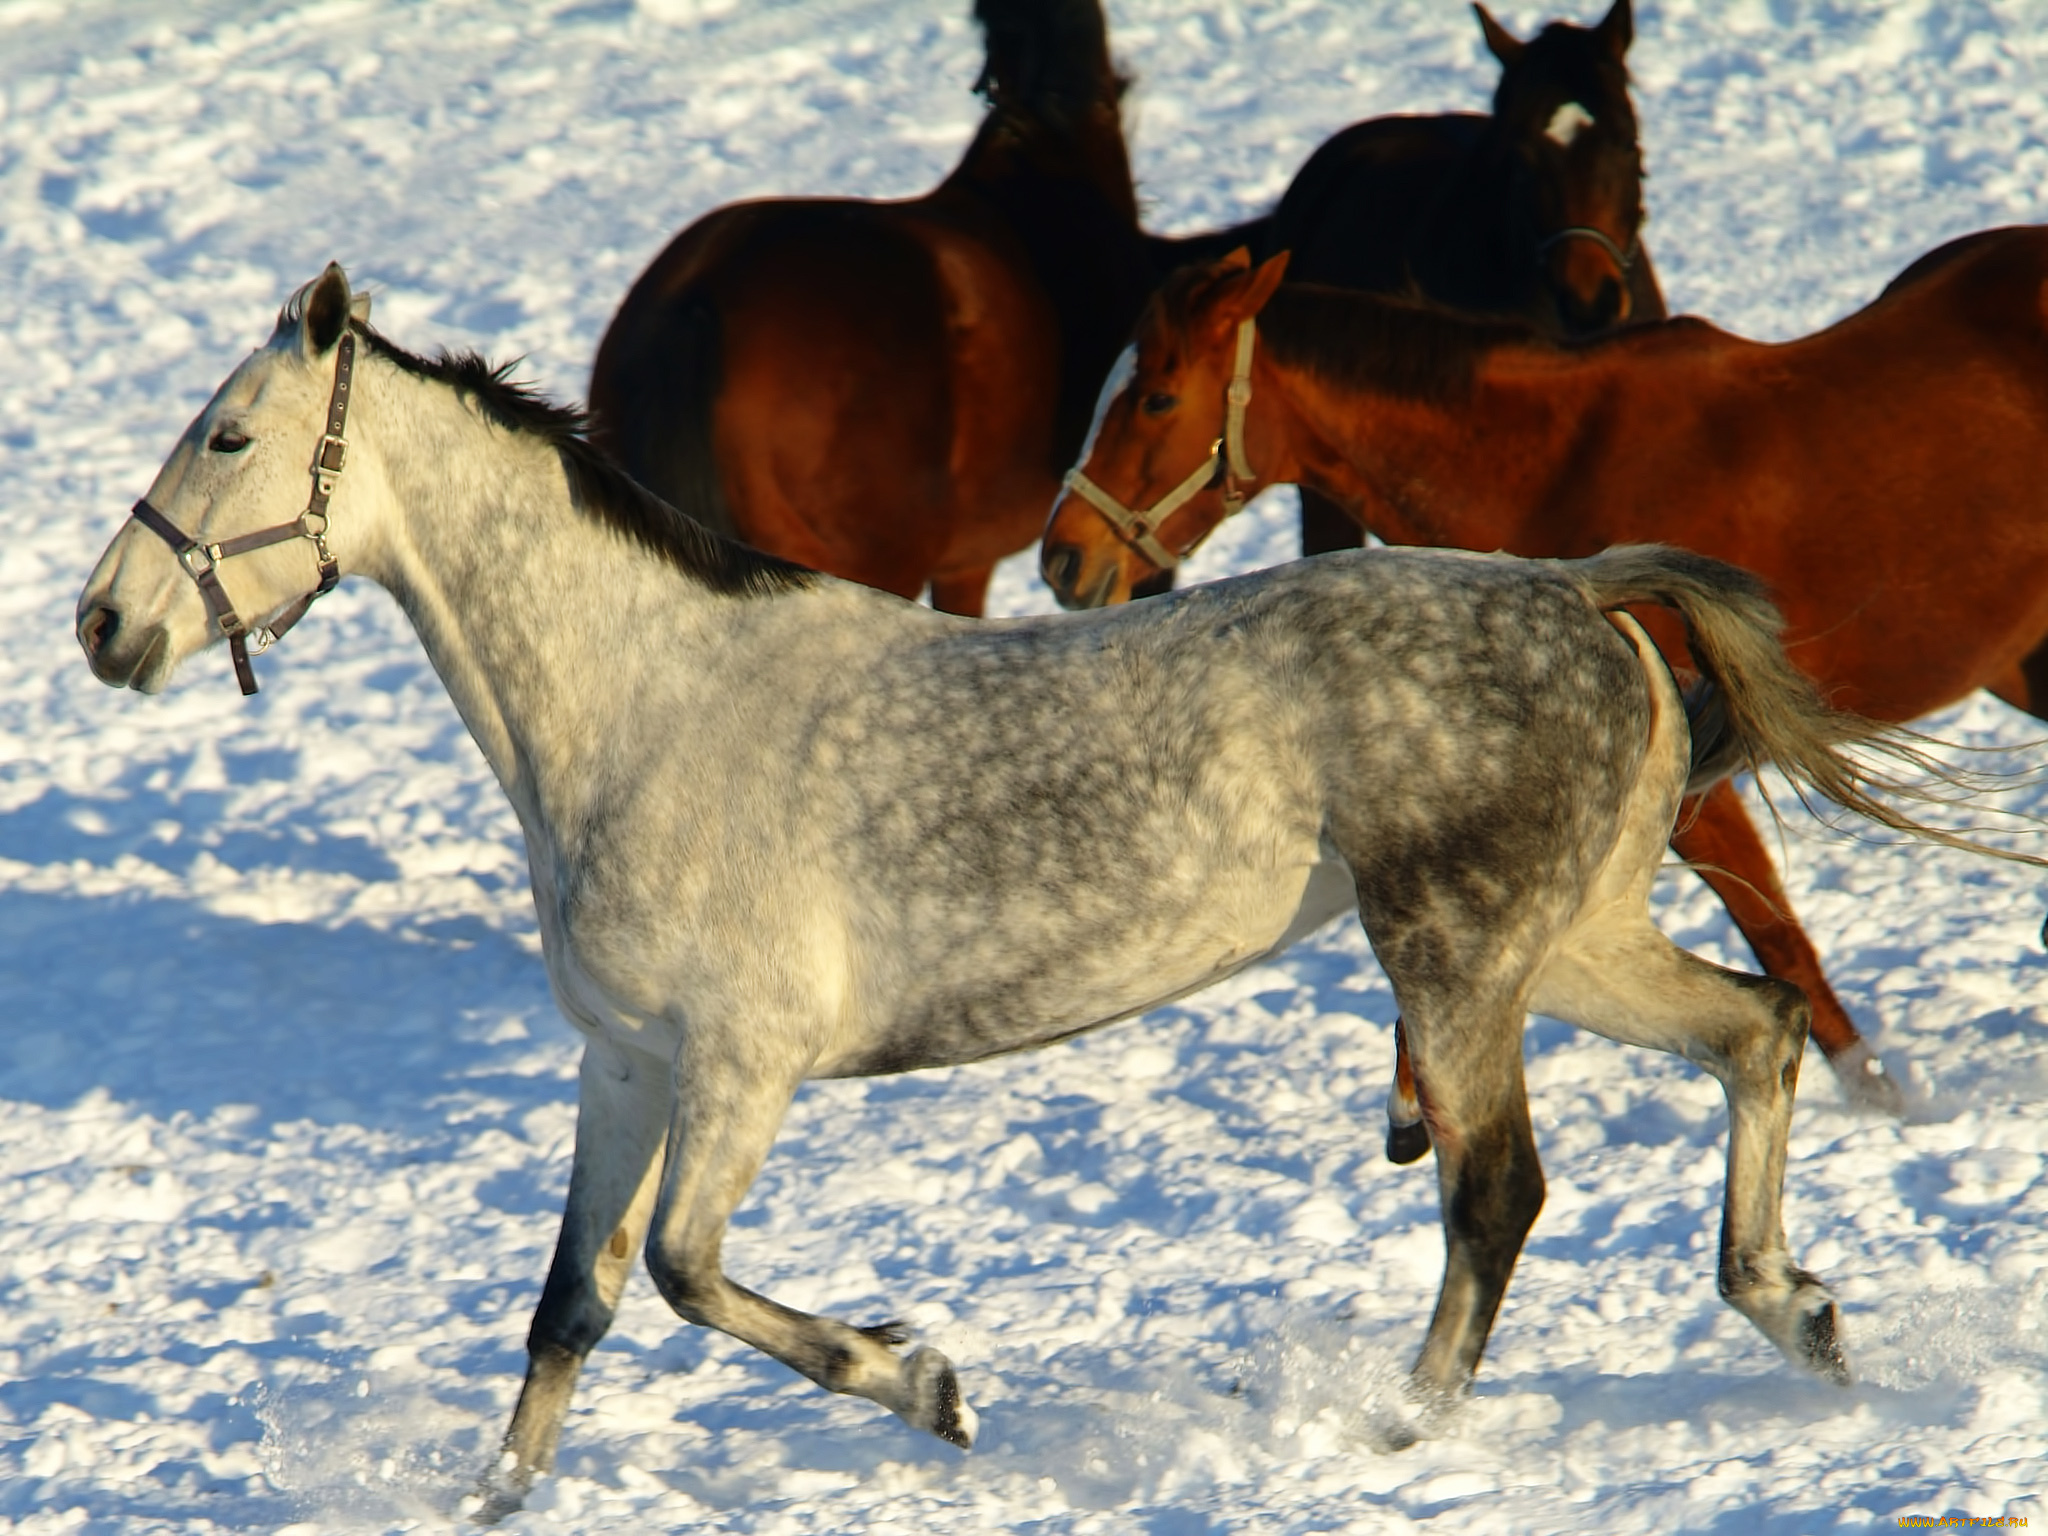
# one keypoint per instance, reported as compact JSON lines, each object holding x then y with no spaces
{"x":1062,"y":566}
{"x":117,"y":655}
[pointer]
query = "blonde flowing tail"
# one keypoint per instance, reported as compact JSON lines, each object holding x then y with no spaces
{"x":1754,"y":707}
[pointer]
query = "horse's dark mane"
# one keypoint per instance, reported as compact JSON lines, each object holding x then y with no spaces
{"x":1405,"y":347}
{"x":1046,"y":58}
{"x":598,"y":487}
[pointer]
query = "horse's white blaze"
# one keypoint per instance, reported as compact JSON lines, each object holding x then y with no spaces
{"x":1566,"y":123}
{"x":1121,"y":372}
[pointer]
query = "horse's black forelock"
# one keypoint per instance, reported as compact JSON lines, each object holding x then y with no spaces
{"x":1578,"y":66}
{"x":598,"y":487}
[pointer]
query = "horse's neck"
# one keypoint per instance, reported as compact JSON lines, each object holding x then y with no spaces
{"x":1427,"y":470}
{"x":536,"y":618}
{"x":1462,"y":251}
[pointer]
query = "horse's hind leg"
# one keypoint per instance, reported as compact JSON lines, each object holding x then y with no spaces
{"x":622,"y":1115}
{"x":1732,"y":859}
{"x":1627,"y":981}
{"x":727,"y":1111}
{"x":1468,"y":1060}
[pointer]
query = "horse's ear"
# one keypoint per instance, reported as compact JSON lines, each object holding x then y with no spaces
{"x":1264,"y":281}
{"x":327,"y":311}
{"x":1617,"y":28}
{"x":1502,"y":43}
{"x":1243,"y":297}
{"x":359,"y":308}
{"x":1239,"y":260}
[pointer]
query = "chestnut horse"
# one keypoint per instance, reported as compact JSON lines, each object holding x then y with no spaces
{"x":1534,"y":212}
{"x":889,"y":391}
{"x":1883,"y":476}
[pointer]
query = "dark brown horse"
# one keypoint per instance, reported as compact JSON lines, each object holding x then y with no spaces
{"x":1534,"y":212}
{"x":1885,"y":476}
{"x":889,"y":391}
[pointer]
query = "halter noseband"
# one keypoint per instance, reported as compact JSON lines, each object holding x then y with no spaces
{"x":1624,"y":259}
{"x":202,"y":561}
{"x":1226,"y":464}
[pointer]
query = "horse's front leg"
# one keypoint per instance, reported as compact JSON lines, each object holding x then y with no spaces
{"x":728,"y":1106}
{"x":622,"y":1115}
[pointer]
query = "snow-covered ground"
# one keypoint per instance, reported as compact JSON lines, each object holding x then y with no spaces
{"x":286,"y":1106}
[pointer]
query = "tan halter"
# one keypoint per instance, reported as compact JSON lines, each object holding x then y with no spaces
{"x":1226,"y":464}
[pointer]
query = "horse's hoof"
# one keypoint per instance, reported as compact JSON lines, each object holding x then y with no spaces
{"x":936,"y":1403}
{"x":1820,"y":1344}
{"x":1865,"y":1082}
{"x":499,"y":1494}
{"x":1407,"y":1143}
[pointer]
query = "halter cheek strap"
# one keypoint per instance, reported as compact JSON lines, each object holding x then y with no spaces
{"x":1226,"y":465}
{"x":202,"y":561}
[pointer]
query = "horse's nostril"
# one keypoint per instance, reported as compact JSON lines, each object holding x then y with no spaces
{"x":97,"y":628}
{"x":1061,"y":564}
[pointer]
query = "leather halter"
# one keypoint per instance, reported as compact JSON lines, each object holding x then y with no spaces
{"x":202,"y":561}
{"x":1226,"y":465}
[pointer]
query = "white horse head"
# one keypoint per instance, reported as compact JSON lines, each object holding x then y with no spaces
{"x":246,"y":463}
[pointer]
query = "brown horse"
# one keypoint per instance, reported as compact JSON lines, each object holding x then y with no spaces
{"x":1884,"y":476}
{"x":1534,"y":212}
{"x":889,"y":391}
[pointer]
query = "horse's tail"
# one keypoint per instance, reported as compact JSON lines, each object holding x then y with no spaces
{"x":652,"y":394}
{"x":1753,"y":707}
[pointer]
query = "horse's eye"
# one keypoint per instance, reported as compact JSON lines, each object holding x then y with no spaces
{"x":1160,"y":404}
{"x":228,"y":440}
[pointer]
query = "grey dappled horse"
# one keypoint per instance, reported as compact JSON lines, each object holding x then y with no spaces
{"x":784,"y":827}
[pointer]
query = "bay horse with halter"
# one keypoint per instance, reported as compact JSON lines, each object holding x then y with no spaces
{"x":784,"y":827}
{"x":890,"y":390}
{"x":1883,"y":477}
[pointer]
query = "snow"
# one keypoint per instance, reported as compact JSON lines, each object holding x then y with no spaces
{"x":287,"y":1108}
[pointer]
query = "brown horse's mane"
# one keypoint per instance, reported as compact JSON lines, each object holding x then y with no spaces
{"x":598,"y":487}
{"x":1408,"y":348}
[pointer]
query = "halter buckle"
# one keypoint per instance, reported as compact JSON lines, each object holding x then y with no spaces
{"x":209,"y":554}
{"x":330,"y":458}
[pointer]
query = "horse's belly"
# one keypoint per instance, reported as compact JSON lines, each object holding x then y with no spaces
{"x":1028,"y":997}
